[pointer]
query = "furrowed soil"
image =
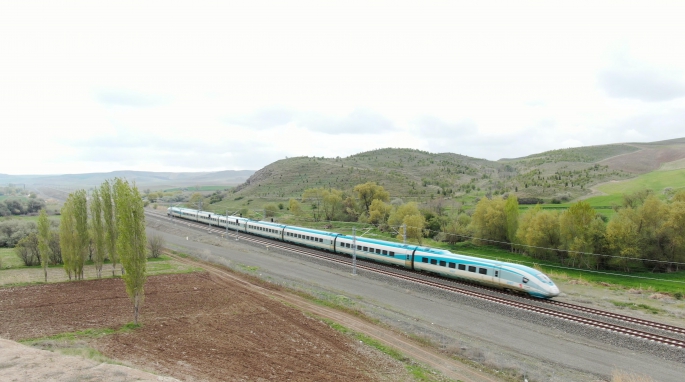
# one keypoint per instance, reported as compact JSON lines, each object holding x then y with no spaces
{"x":195,"y":327}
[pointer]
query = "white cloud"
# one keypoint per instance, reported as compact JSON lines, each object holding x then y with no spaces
{"x":100,"y":86}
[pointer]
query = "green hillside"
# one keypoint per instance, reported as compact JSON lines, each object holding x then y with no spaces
{"x":656,"y":180}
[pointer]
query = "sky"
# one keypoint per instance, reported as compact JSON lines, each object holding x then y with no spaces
{"x":99,"y":86}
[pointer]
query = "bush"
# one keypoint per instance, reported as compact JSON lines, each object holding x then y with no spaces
{"x":12,"y":231}
{"x":27,"y":250}
{"x":155,"y":244}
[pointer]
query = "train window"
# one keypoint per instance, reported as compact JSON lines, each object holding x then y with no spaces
{"x":496,"y":273}
{"x":483,"y":271}
{"x":424,"y":260}
{"x":366,"y":249}
{"x":385,"y":252}
{"x":452,"y":265}
{"x":462,"y":267}
{"x":392,"y":253}
{"x":525,"y":280}
{"x":433,"y":261}
{"x":378,"y":251}
{"x":299,"y":236}
{"x":472,"y":268}
{"x":442,"y":263}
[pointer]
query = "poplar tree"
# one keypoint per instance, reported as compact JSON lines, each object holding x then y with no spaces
{"x":80,"y":211}
{"x":67,"y":237}
{"x":131,"y":240}
{"x":511,"y":212}
{"x":98,"y":231}
{"x":44,"y":241}
{"x":110,"y":226}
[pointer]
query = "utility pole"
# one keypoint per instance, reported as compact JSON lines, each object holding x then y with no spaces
{"x":226,"y":224}
{"x":354,"y":251}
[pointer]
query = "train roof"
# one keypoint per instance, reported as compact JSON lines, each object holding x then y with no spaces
{"x":270,"y":224}
{"x":310,"y":230}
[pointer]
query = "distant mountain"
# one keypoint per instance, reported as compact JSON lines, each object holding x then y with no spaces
{"x":406,"y":173}
{"x":144,"y":179}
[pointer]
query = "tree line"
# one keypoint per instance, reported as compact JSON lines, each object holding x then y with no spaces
{"x":110,"y":224}
{"x":645,"y":233}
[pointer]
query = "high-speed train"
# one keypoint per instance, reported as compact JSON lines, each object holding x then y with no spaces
{"x":498,"y":274}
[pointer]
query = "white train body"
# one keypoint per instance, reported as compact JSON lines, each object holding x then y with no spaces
{"x":439,"y":261}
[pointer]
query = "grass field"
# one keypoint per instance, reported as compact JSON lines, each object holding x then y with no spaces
{"x":655,"y":180}
{"x":27,"y":218}
{"x":9,"y":259}
{"x":198,"y":188}
{"x":18,"y":274}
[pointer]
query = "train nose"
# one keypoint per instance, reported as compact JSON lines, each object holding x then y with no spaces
{"x":553,"y":291}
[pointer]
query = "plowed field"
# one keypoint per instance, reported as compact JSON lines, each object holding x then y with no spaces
{"x":195,"y":327}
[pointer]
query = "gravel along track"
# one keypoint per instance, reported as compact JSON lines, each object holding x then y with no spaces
{"x":538,"y":346}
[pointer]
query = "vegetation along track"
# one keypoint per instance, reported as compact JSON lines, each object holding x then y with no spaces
{"x":548,"y":308}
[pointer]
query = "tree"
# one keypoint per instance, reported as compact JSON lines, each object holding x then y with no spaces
{"x":539,"y":231}
{"x":315,"y":196}
{"x":379,"y":212}
{"x":195,"y":200}
{"x":27,"y":250}
{"x":109,"y":223}
{"x":155,"y":244}
{"x":623,"y":237}
{"x":370,"y":191}
{"x":397,"y":217}
{"x":332,"y":203}
{"x":131,"y":240}
{"x":67,"y":237}
{"x":674,"y":229}
{"x":579,"y":229}
{"x":55,"y":250}
{"x":458,"y":230}
{"x":414,"y":224}
{"x":270,"y":210}
{"x":295,"y":207}
{"x":489,"y":220}
{"x":511,"y":212}
{"x":44,"y":241}
{"x":80,"y":213}
{"x":98,"y":231}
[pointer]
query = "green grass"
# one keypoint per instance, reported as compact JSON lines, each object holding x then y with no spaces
{"x":198,"y":188}
{"x":655,"y":180}
{"x":26,"y":218}
{"x":75,"y":343}
{"x":9,"y":259}
{"x":645,"y":307}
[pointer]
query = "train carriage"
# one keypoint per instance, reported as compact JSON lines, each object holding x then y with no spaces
{"x":266,"y":229}
{"x":310,"y":237}
{"x":376,"y":250}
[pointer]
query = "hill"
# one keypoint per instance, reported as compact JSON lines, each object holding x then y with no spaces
{"x":144,"y":179}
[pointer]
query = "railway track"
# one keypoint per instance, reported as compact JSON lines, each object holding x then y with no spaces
{"x":550,"y":308}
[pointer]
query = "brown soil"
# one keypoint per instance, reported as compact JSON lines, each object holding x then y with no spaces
{"x":197,"y":326}
{"x":193,"y":327}
{"x":645,"y":160}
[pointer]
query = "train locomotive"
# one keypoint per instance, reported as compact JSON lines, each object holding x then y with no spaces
{"x":499,"y":274}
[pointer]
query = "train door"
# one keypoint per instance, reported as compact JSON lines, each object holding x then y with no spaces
{"x":497,"y":273}
{"x":409,"y":261}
